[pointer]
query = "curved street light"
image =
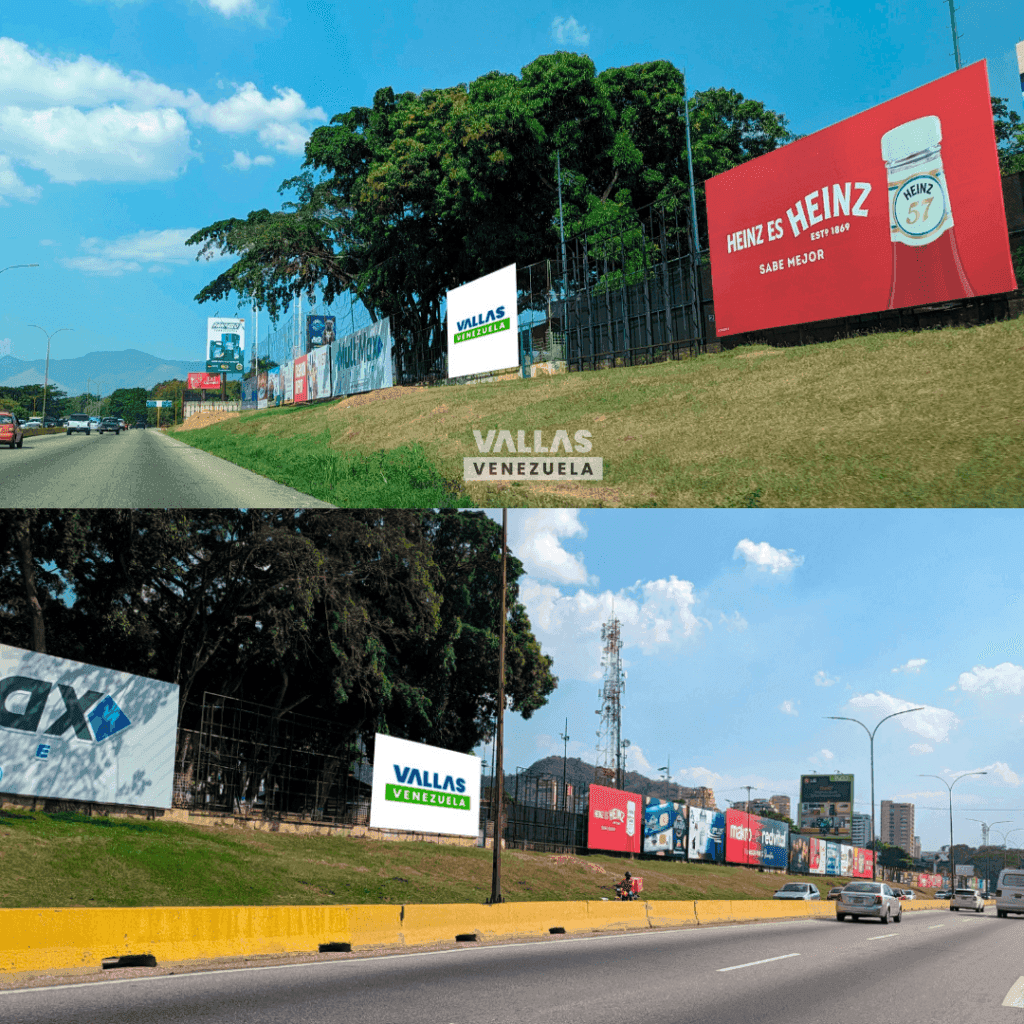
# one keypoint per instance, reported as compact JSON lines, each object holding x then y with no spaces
{"x":14,"y":266}
{"x":1005,"y":836}
{"x":46,"y":376}
{"x":949,"y":786}
{"x":871,"y":737}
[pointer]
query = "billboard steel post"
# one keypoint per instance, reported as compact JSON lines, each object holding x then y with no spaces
{"x":956,"y":44}
{"x":871,"y":736}
{"x":694,"y":234}
{"x":949,"y":786}
{"x":496,"y":864}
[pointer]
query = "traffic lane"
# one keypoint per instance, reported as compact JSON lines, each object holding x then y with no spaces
{"x":843,"y":972}
{"x":138,"y":469}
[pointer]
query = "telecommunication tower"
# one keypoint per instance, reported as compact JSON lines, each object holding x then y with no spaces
{"x":609,"y":736}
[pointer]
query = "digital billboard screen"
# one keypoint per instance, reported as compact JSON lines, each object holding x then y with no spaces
{"x":826,"y":804}
{"x":900,"y":205}
{"x":613,"y":820}
{"x":833,"y":859}
{"x":705,"y":839}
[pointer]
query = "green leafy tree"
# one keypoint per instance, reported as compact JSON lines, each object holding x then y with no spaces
{"x":127,"y":403}
{"x":1009,"y":129}
{"x":400,"y":201}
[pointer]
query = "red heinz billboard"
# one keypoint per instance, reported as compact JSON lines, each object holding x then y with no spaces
{"x":898,"y":206}
{"x":614,"y":820}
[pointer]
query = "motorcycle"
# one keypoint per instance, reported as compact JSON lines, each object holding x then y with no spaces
{"x":622,"y":892}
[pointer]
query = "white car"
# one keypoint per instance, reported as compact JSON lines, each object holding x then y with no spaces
{"x":1010,"y":892}
{"x":33,"y":425}
{"x":967,"y":899}
{"x":798,"y":891}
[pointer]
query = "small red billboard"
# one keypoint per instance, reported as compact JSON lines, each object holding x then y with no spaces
{"x":614,"y":820}
{"x":300,"y":394}
{"x":901,"y":205}
{"x":205,"y":381}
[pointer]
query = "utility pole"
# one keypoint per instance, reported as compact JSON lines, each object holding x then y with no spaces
{"x":956,"y":44}
{"x":496,"y":896}
{"x":46,"y":375}
{"x":561,"y":223}
{"x":565,"y":750}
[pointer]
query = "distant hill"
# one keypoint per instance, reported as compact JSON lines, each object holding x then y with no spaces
{"x":580,"y":774}
{"x":103,"y":372}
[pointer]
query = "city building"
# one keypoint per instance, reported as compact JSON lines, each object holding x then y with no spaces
{"x":896,"y":825}
{"x":781,"y":805}
{"x":860,"y":829}
{"x":917,"y":848}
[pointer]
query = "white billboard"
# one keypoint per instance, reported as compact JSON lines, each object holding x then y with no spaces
{"x":483,"y":324}
{"x":419,"y":788}
{"x":70,"y":731}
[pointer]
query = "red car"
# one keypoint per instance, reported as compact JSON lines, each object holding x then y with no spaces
{"x":10,"y":430}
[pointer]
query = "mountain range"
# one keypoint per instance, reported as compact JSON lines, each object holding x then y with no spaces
{"x":98,"y":372}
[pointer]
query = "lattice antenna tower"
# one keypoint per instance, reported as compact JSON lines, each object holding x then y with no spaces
{"x":609,"y":736}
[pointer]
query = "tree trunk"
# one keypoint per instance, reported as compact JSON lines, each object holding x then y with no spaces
{"x":23,"y":545}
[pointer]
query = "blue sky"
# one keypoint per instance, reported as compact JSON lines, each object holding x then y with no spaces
{"x":743,"y":630}
{"x":127,"y":124}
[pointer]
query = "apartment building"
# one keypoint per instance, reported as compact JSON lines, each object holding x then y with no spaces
{"x":860,"y":829}
{"x":781,"y":805}
{"x":896,"y":825}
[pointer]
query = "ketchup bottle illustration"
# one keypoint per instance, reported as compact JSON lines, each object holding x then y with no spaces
{"x":926,"y":263}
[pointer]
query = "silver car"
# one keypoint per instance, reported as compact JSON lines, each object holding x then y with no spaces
{"x":967,"y":899}
{"x":869,"y":899}
{"x":798,"y":891}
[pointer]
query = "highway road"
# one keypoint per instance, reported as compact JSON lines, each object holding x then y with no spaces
{"x":134,"y":469}
{"x":953,"y":968}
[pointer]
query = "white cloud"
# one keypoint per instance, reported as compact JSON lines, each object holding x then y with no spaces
{"x":569,"y":30}
{"x":698,"y":777}
{"x":1002,"y":771}
{"x":242,"y":161}
{"x":637,"y":762}
{"x":237,"y":8}
{"x":827,"y":754}
{"x":735,"y":623}
{"x":654,"y":615}
{"x":914,"y":665}
{"x":921,"y":748}
{"x":788,"y":707}
{"x":822,"y":678}
{"x":47,"y":241}
{"x":159,"y":249}
{"x":11,"y":185}
{"x":764,"y":556}
{"x":537,"y":543}
{"x":1004,"y":678}
{"x":85,"y":120}
{"x":931,"y":723}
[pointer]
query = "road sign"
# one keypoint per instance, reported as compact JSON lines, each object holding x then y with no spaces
{"x":163,"y":404}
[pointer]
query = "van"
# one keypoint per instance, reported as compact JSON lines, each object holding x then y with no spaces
{"x":1010,"y":892}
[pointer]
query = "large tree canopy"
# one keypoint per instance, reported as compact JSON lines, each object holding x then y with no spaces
{"x":369,"y":620}
{"x":399,"y":202}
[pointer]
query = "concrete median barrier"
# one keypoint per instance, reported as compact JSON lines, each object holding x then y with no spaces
{"x":80,"y":938}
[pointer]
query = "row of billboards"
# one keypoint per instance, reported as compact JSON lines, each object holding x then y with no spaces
{"x":358,"y":362}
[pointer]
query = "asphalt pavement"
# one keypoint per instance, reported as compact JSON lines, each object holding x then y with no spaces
{"x":134,"y":469}
{"x":954,"y":968}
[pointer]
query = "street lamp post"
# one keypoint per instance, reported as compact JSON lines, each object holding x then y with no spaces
{"x":14,"y":266}
{"x":46,"y":375}
{"x":871,"y":737}
{"x":1005,"y":836}
{"x":949,"y":786}
{"x":496,"y":896}
{"x":985,"y":826}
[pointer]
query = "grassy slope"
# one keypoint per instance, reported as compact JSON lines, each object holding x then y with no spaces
{"x":64,"y":860}
{"x":928,"y":419}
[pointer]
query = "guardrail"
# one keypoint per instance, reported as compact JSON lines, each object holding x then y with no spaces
{"x":80,"y":939}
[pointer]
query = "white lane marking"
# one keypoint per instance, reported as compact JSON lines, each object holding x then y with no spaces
{"x":754,"y":963}
{"x":891,"y":935}
{"x":931,"y":926}
{"x":1015,"y":997}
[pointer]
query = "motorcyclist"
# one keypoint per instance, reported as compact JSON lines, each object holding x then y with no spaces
{"x":624,"y":889}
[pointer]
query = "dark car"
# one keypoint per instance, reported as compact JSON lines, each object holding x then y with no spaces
{"x":834,"y":892}
{"x":11,"y":433}
{"x":140,"y":425}
{"x":110,"y":423}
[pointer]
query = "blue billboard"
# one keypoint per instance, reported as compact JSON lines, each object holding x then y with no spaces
{"x":774,"y":842}
{"x":706,"y":835}
{"x":664,"y":827}
{"x":362,"y":361}
{"x":833,"y":859}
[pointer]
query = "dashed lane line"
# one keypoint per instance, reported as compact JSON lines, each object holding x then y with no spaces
{"x":754,"y":963}
{"x":890,"y":935}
